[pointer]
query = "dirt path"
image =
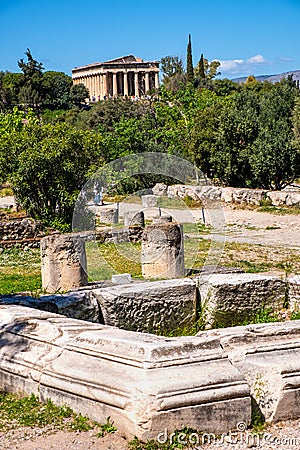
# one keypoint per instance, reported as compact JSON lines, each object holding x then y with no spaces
{"x":283,"y":435}
{"x":241,"y":225}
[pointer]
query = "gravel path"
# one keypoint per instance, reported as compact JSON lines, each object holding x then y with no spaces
{"x":239,"y":225}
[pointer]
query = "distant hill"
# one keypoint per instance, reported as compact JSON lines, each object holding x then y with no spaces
{"x":271,"y":78}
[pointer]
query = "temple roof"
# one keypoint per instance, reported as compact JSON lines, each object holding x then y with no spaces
{"x":128,"y":59}
{"x":124,"y":59}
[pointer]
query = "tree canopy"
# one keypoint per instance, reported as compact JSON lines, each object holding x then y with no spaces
{"x":245,"y":135}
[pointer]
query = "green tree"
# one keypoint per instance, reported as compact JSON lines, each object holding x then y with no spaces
{"x":189,"y":63}
{"x":11,"y":125}
{"x":224,"y":87}
{"x":200,"y":70}
{"x":173,"y":73}
{"x":31,"y":91}
{"x":78,"y":94}
{"x":56,"y":88}
{"x":238,"y":129}
{"x":275,"y":158}
{"x":205,"y":72}
{"x":10,"y":84}
{"x":53,"y":162}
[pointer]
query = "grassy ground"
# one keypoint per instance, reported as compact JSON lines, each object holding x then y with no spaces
{"x":17,"y":411}
{"x":20,"y":269}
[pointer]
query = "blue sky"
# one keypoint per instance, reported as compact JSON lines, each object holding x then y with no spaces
{"x":248,"y":37}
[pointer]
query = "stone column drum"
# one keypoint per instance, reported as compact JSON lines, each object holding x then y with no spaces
{"x":63,"y":262}
{"x":132,"y":218}
{"x":162,"y":251}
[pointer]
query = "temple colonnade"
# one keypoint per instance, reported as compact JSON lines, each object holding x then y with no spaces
{"x":124,"y":76}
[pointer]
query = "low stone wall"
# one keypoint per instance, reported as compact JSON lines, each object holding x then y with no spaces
{"x":23,"y":232}
{"x":231,"y":195}
{"x":172,"y":305}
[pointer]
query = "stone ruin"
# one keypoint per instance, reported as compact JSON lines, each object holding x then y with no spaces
{"x":148,"y":383}
{"x":90,"y":348}
{"x":63,"y":262}
{"x":162,"y":251}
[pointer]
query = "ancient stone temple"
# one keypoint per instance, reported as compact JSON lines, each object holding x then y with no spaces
{"x":127,"y":76}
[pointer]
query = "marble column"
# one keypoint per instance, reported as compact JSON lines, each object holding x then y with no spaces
{"x":104,"y":85}
{"x":136,"y":84}
{"x":88,"y":79}
{"x":147,"y":83}
{"x":156,"y":81}
{"x":92,"y":85}
{"x":125,"y":84}
{"x":97,"y":86}
{"x":115,"y":87}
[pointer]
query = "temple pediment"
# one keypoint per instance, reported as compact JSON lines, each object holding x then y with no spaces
{"x":124,"y":60}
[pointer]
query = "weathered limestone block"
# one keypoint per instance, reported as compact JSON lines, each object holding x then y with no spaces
{"x":227,"y":194}
{"x":149,"y":201}
{"x":160,"y":189}
{"x":173,"y":191}
{"x":162,"y":252}
{"x":78,"y":305}
{"x":107,"y":215}
{"x":294,"y":293}
{"x":268,"y":356}
{"x":134,"y":218}
{"x":190,"y":191}
{"x":162,"y":306}
{"x":197,"y":192}
{"x":209,"y":192}
{"x":145,"y":383}
{"x":248,"y":196}
{"x":121,"y":278}
{"x":230,"y":299}
{"x":162,"y":219}
{"x":63,"y":261}
{"x":293,"y":199}
{"x":278,"y":198}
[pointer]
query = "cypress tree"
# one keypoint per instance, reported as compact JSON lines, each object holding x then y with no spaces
{"x":201,"y":68}
{"x":189,"y":63}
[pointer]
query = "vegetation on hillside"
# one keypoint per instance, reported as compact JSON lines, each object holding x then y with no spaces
{"x":239,"y":135}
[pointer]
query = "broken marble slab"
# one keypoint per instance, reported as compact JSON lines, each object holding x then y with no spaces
{"x":268,"y":356}
{"x":145,"y":383}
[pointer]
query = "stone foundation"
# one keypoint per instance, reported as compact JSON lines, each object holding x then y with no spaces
{"x":230,"y":299}
{"x":145,"y":383}
{"x":148,"y":384}
{"x":171,"y":305}
{"x":161,"y":306}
